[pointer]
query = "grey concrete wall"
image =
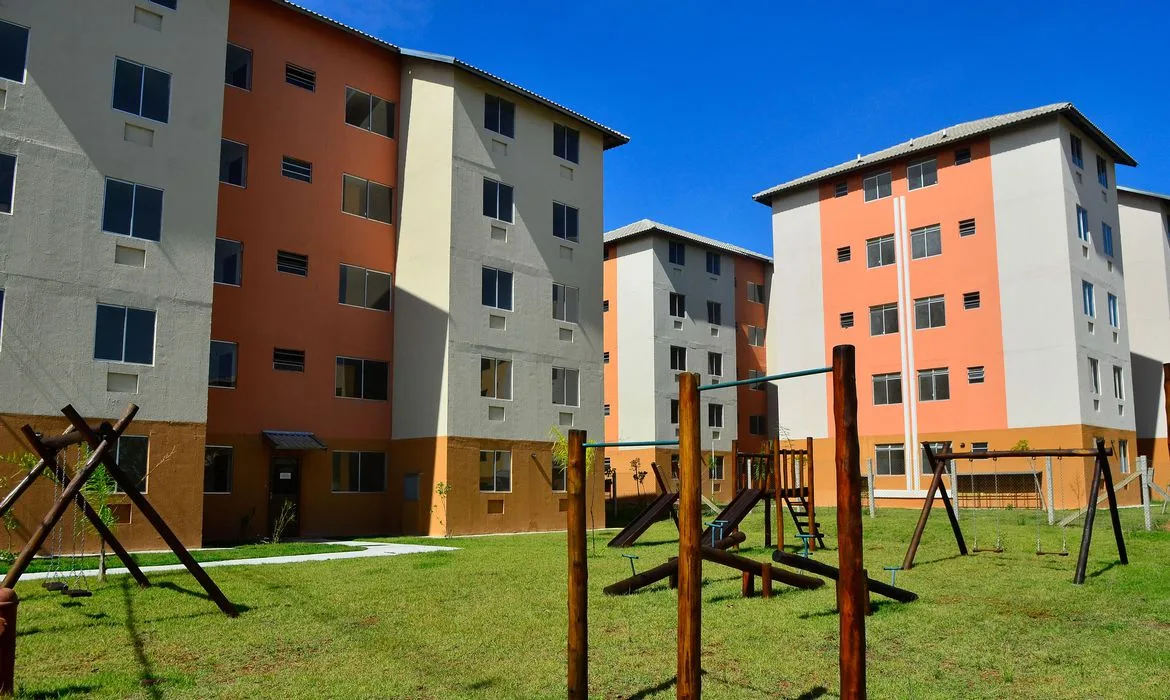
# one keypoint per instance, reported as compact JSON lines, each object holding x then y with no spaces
{"x":56,"y":264}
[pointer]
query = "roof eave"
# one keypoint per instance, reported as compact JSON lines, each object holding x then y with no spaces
{"x":655,"y":228}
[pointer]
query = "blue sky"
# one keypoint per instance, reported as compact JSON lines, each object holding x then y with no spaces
{"x":723,"y":99}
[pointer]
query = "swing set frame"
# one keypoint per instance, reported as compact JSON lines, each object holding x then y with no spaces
{"x":1102,"y":475}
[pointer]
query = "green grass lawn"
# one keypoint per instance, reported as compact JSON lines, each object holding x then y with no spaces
{"x":489,"y":621}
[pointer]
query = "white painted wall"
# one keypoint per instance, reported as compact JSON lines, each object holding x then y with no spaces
{"x":1144,"y":222}
{"x":56,"y":264}
{"x":640,"y":406}
{"x":797,"y":305}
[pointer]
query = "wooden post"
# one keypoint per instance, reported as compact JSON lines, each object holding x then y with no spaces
{"x":8,"y":605}
{"x":690,"y":562}
{"x":578,"y":571}
{"x":781,"y":484}
{"x":851,"y":589}
{"x":812,"y":500}
{"x":747,"y":584}
{"x":1090,"y":517}
{"x":936,"y":485}
{"x":1114,"y":516}
{"x":767,"y":522}
{"x":766,"y":581}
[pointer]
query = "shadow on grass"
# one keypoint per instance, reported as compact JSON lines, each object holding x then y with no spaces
{"x":874,"y":607}
{"x":1104,"y":569}
{"x":956,"y":555}
{"x":654,"y":689}
{"x":59,"y":692}
{"x":172,"y":586}
{"x":146,"y":676}
{"x":813,"y":693}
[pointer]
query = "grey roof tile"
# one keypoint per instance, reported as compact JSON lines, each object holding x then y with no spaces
{"x":648,"y":227}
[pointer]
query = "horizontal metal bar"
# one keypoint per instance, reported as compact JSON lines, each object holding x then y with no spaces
{"x":996,"y":454}
{"x":644,"y":443}
{"x":769,"y":378}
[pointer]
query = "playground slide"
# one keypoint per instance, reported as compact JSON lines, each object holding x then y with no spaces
{"x":657,"y":509}
{"x":734,"y":513}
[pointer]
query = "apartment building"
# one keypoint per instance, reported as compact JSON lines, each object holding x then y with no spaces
{"x":679,"y":302}
{"x":109,"y":125}
{"x":979,"y":272}
{"x":1145,"y":227}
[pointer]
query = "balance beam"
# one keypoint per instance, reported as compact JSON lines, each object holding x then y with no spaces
{"x":830,"y":572}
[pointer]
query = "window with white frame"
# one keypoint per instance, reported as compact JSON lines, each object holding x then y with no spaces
{"x":887,"y":389}
{"x":715,"y":415}
{"x":924,"y":173}
{"x":890,"y":459}
{"x":975,"y":375}
{"x":755,"y":336}
{"x":1088,"y":299}
{"x":565,"y":221}
{"x":966,"y":228}
{"x":497,"y":200}
{"x":141,"y":90}
{"x":292,"y":263}
{"x":499,"y":115}
{"x":979,"y":447}
{"x":299,"y":76}
{"x":288,"y":360}
{"x":369,"y":289}
{"x":962,"y":156}
{"x":676,"y":253}
{"x":1094,"y":375}
{"x":715,"y":468}
{"x":844,"y":254}
{"x":495,"y":378}
{"x":1118,"y":383}
{"x":496,"y":288}
{"x":369,"y":112}
{"x":714,"y":313}
{"x":841,"y":189}
{"x":565,"y":303}
{"x":7,"y":182}
{"x":124,"y":334}
{"x":1102,"y":172}
{"x":755,"y":374}
{"x":879,"y":251}
{"x":678,"y":358}
{"x":883,"y":319}
{"x":934,"y":384}
{"x":925,"y":242}
{"x":1114,"y":316}
{"x":296,"y":169}
{"x":1107,"y":238}
{"x":359,"y":472}
{"x":930,"y":312}
{"x":678,"y":305}
{"x":1083,"y":224}
{"x":715,"y":364}
{"x":566,"y":143}
{"x":13,"y":51}
{"x":755,"y":292}
{"x":713,"y":263}
{"x":1123,"y":455}
{"x":971,"y":300}
{"x":936,"y":448}
{"x":132,"y":210}
{"x":367,"y":199}
{"x":846,"y":319}
{"x":1076,"y":151}
{"x":217,"y":469}
{"x":565,"y":386}
{"x":133,"y":457}
{"x":877,"y":186}
{"x":674,"y":411}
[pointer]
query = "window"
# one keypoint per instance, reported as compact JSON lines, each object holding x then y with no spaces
{"x":755,"y":374}
{"x":715,"y":364}
{"x":7,"y":181}
{"x":757,"y":425}
{"x":411,"y":487}
{"x":560,"y":472}
{"x":962,"y":156}
{"x":841,"y":189}
{"x":237,"y":70}
{"x":367,"y":199}
{"x":1094,"y":375}
{"x":604,"y":305}
{"x":715,"y":415}
{"x":362,"y":379}
{"x":930,"y":312}
{"x":891,"y":459}
{"x":499,"y":115}
{"x":887,"y":389}
{"x":1102,"y":172}
{"x":883,"y":319}
{"x":1088,"y":299}
{"x":605,"y":409}
{"x":133,"y":455}
{"x":979,"y":447}
{"x":13,"y":51}
{"x":1077,"y":151}
{"x":605,"y":358}
{"x":233,"y":163}
{"x":141,"y":90}
{"x":936,"y":448}
{"x":292,"y":263}
{"x":565,"y":220}
{"x":566,"y":143}
{"x":713,"y":263}
{"x":755,"y":292}
{"x":495,"y":471}
{"x":288,"y":360}
{"x":564,"y":299}
{"x":1114,"y":316}
{"x":497,"y":200}
{"x":714,"y":313}
{"x":296,"y":169}
{"x":1118,"y":383}
{"x":172,"y":4}
{"x":678,"y":358}
{"x":1107,"y":238}
{"x":229,"y":261}
{"x":922,"y":174}
{"x":133,"y":210}
{"x":300,"y":77}
{"x":971,"y":300}
{"x":124,"y":335}
{"x":221,"y":366}
{"x":1082,"y":224}
{"x":676,"y":253}
{"x":967,"y":228}
{"x":755,"y":336}
{"x":674,"y":467}
{"x":359,"y":472}
{"x":565,"y":386}
{"x":715,"y":468}
{"x":975,"y":375}
{"x":678,"y":305}
{"x":844,"y":254}
{"x":934,"y":384}
{"x":495,"y":378}
{"x":925,"y":242}
{"x":877,"y":186}
{"x":847,"y":319}
{"x":497,"y":289}
{"x":879,"y":252}
{"x":358,"y":286}
{"x":674,"y":411}
{"x":217,"y":469}
{"x":369,"y":112}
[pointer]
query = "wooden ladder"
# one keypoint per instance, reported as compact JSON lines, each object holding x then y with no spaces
{"x":798,"y":507}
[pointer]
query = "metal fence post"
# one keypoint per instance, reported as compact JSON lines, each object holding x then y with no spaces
{"x":1143,"y":465}
{"x":869,"y":487}
{"x":1049,"y":490}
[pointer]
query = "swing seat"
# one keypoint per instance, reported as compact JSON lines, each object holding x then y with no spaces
{"x":78,"y":593}
{"x":1052,"y":554}
{"x":54,"y":586}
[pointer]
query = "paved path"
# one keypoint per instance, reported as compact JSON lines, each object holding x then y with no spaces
{"x":372,"y":549}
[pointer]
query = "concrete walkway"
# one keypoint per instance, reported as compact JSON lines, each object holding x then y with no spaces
{"x":372,"y":549}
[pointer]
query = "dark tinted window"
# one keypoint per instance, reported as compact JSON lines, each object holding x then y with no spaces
{"x":565,"y":220}
{"x":497,"y":200}
{"x":361,"y":287}
{"x":148,"y":210}
{"x":111,"y":329}
{"x":229,"y":261}
{"x":127,"y":86}
{"x":124,"y":335}
{"x":7,"y":181}
{"x":173,"y":4}
{"x":139,"y":336}
{"x":238,"y":68}
{"x":499,"y":115}
{"x":367,"y":199}
{"x":566,"y":142}
{"x":381,"y":203}
{"x":376,"y":380}
{"x":301,"y":77}
{"x":131,"y":456}
{"x":233,"y":163}
{"x":221,"y":368}
{"x":369,"y":112}
{"x":217,"y":469}
{"x":292,"y":263}
{"x":133,"y":210}
{"x":13,"y":51}
{"x":348,"y":378}
{"x":142,"y":90}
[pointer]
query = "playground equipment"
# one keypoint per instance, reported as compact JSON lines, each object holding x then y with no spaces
{"x":1101,"y":475}
{"x":662,"y":504}
{"x":851,"y":579}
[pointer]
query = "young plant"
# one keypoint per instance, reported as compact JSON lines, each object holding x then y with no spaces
{"x":442,"y":489}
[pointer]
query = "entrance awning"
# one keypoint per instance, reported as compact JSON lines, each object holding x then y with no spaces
{"x":292,"y":440}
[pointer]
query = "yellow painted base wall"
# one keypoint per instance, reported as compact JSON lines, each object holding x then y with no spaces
{"x":174,"y":486}
{"x":719,"y":491}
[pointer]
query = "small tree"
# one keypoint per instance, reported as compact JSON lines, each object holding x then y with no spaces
{"x":638,"y":473}
{"x":560,"y":462}
{"x":442,"y":490}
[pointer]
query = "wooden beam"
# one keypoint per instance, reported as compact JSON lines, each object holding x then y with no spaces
{"x":578,"y":644}
{"x":830,"y":572}
{"x":996,"y":454}
{"x":1114,"y":516}
{"x":690,"y":563}
{"x":851,"y":589}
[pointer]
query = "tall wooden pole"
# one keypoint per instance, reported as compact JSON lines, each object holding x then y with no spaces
{"x":813,"y":529}
{"x":1090,"y":517}
{"x":578,"y":572}
{"x":1114,"y":517}
{"x":690,"y":529}
{"x":851,"y":588}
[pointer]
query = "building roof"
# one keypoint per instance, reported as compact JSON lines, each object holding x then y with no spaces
{"x":952,"y":134}
{"x":610,"y":137}
{"x":1155,"y":195}
{"x":646,"y":227}
{"x":292,"y":440}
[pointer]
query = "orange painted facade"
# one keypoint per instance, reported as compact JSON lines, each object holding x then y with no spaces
{"x":271,"y":309}
{"x":750,"y":402}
